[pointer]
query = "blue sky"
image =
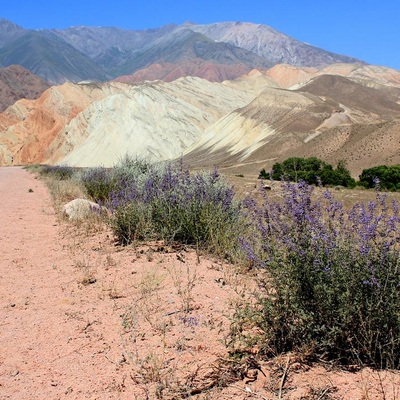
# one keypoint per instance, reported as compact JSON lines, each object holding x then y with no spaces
{"x":369,"y":30}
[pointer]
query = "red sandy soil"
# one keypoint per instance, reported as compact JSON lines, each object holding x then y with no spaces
{"x":83,"y":319}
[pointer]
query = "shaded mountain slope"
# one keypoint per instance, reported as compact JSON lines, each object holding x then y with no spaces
{"x":95,"y":41}
{"x":9,"y":32}
{"x":185,"y":45}
{"x":111,"y":47}
{"x":50,"y":57}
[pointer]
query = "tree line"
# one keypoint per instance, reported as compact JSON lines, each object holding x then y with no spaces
{"x":317,"y":172}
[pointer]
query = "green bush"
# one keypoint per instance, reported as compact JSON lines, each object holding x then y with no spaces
{"x":311,"y":170}
{"x":131,"y":222}
{"x":388,"y":177}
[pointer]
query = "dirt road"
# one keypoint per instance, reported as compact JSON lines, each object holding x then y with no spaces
{"x":45,"y":349}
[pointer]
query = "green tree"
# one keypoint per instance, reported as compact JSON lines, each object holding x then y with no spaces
{"x":311,"y":170}
{"x":388,"y":176}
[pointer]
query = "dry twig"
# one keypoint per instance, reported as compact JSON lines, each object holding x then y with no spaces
{"x":284,"y":376}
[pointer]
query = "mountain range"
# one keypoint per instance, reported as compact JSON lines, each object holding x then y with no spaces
{"x":238,"y":95}
{"x":101,"y":54}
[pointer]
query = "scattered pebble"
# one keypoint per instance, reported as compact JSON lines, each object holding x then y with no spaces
{"x":69,"y":390}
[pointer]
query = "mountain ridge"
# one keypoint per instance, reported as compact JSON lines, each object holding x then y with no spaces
{"x":104,"y":53}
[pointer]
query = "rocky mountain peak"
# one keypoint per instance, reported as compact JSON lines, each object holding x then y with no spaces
{"x":9,"y":26}
{"x":9,"y":32}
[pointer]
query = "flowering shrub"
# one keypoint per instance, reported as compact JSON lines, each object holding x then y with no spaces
{"x":167,"y":202}
{"x":334,"y":276}
{"x":99,"y":183}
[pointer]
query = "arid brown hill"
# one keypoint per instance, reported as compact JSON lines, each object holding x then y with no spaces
{"x":18,"y":83}
{"x":168,"y":72}
{"x":345,"y":121}
{"x":354,"y":95}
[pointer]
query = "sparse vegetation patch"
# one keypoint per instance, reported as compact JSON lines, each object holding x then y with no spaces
{"x":59,"y":172}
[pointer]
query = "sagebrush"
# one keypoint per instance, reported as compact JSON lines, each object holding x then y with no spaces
{"x":334,"y":276}
{"x":167,"y":202}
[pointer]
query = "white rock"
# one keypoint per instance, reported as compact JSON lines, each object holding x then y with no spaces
{"x":79,"y":209}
